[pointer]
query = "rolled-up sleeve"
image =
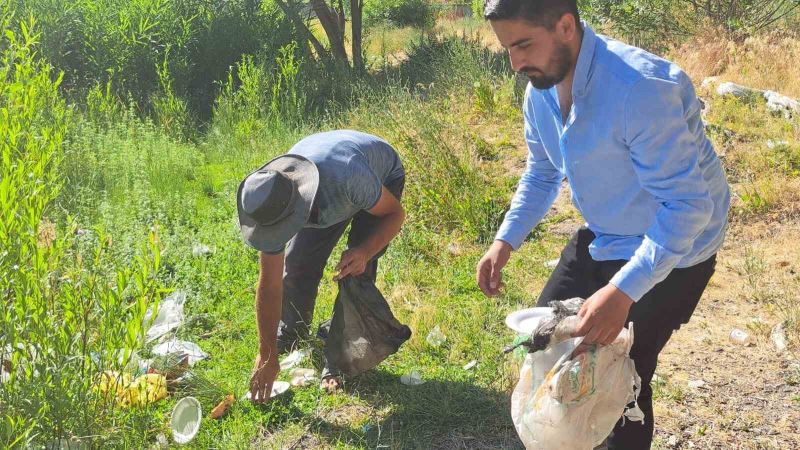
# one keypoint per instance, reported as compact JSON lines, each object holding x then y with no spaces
{"x":665,"y":157}
{"x":537,"y":189}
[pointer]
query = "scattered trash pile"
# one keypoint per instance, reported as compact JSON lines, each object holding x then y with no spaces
{"x":171,"y":360}
{"x":565,"y":401}
{"x":146,"y":381}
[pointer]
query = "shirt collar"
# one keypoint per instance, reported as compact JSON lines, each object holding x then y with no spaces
{"x":585,"y":60}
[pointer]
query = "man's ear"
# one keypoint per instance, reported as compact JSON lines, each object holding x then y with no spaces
{"x":566,"y":27}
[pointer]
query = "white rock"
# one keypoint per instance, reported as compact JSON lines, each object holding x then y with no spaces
{"x":778,"y":336}
{"x":696,"y":384}
{"x":781,"y":104}
{"x":736,"y":90}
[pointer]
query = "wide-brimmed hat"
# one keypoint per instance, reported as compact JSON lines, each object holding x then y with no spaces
{"x":274,"y":202}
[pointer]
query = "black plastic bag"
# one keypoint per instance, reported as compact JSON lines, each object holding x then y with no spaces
{"x":363,"y":331}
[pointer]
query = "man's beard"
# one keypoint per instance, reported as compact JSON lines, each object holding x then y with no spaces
{"x":560,"y":64}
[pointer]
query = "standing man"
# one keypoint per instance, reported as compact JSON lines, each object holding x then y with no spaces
{"x":306,"y":198}
{"x":623,"y":126}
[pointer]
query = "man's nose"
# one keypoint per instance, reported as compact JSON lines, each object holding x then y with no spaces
{"x":517,"y":61}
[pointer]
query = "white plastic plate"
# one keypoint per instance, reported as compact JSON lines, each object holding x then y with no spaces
{"x":278,"y":388}
{"x":525,"y":321}
{"x":185,"y":420}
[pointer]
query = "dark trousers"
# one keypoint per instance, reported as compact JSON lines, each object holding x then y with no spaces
{"x":661,"y":311}
{"x":304,"y":263}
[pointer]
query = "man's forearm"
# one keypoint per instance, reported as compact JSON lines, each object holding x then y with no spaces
{"x":269,"y":300}
{"x":388,"y":227}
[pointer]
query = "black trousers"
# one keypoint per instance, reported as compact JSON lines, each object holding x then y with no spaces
{"x":661,"y":311}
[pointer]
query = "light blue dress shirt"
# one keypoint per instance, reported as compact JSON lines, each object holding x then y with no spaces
{"x":641,"y":170}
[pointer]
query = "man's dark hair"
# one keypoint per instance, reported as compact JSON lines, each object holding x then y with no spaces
{"x":543,"y":13}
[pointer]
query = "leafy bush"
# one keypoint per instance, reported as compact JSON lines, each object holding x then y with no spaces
{"x":67,"y":315}
{"x":130,"y":42}
{"x":400,"y":13}
{"x":477,"y":8}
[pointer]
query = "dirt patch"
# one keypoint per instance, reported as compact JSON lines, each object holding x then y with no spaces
{"x":345,"y":415}
{"x":750,"y":396}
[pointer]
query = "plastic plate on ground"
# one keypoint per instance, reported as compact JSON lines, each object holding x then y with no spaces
{"x":186,"y":420}
{"x":278,"y":388}
{"x":525,"y":321}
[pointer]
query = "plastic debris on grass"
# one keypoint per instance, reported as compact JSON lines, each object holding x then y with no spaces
{"x":739,"y":337}
{"x":471,"y":364}
{"x":143,"y":390}
{"x":294,"y":358}
{"x":552,"y":263}
{"x":222,"y":407}
{"x":168,"y":317}
{"x":181,"y":348}
{"x":436,"y":338}
{"x":303,"y":377}
{"x":200,"y":250}
{"x":412,"y":379}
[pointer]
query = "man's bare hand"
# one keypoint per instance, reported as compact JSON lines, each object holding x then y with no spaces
{"x":489,"y":273}
{"x":354,"y":262}
{"x":603,"y":316}
{"x":265,"y":371}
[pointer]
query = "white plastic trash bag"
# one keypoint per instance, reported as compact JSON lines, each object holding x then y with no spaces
{"x":565,"y":403}
{"x":168,"y":317}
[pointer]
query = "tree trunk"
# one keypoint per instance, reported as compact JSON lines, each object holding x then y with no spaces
{"x":356,"y":10}
{"x":291,"y":12}
{"x":342,"y":18}
{"x":330,"y":23}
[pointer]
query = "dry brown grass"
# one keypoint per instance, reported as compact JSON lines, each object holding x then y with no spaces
{"x":769,"y":61}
